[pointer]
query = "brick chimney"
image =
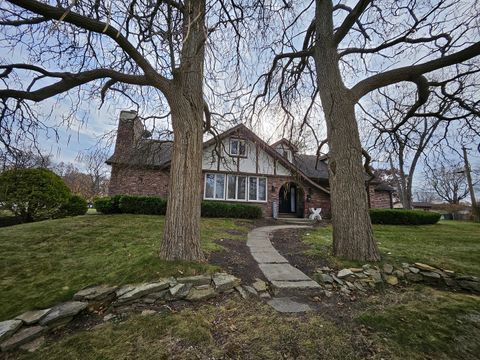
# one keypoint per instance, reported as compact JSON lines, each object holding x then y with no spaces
{"x":130,"y":130}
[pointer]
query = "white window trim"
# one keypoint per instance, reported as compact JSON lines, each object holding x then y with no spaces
{"x":214,"y":187}
{"x":266,"y":189}
{"x":225,"y":188}
{"x":236,"y":188}
{"x":238,"y":140}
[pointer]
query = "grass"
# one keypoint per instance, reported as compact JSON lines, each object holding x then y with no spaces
{"x":232,"y":330}
{"x":427,"y":323}
{"x":416,"y":324}
{"x":46,"y":262}
{"x":452,"y":245}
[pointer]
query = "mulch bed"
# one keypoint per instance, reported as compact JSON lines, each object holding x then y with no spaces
{"x":289,"y":244}
{"x":236,"y":260}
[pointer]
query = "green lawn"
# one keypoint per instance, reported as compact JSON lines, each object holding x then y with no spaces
{"x":452,"y":245}
{"x":414,"y":324}
{"x":424,"y":323}
{"x":232,"y":330}
{"x":46,"y":262}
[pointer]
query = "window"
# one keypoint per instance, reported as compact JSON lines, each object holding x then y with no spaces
{"x":214,"y":186}
{"x":257,"y":189}
{"x":236,"y":188}
{"x":238,"y":147}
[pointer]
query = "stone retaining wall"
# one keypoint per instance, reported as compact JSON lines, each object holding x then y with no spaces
{"x":351,"y":280}
{"x":29,"y":327}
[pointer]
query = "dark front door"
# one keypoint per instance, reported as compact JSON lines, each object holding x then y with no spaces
{"x":287,"y":202}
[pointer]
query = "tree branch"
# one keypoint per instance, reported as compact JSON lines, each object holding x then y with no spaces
{"x":99,"y":27}
{"x":388,"y":44}
{"x":351,"y":19}
{"x":411,"y":73}
{"x":68,"y":82}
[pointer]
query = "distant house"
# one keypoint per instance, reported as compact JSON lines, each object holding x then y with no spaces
{"x":422,"y":205}
{"x":237,"y":167}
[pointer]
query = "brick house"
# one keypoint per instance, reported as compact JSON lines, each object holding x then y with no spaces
{"x":238,"y":167}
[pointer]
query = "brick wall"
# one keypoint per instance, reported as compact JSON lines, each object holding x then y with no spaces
{"x":126,"y":180}
{"x":379,"y":199}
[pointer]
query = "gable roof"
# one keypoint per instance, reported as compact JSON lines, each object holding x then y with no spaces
{"x":242,"y":129}
{"x":287,"y":142}
{"x":158,"y":154}
{"x":146,"y":153}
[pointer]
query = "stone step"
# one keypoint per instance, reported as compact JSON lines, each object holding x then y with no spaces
{"x":299,"y":221}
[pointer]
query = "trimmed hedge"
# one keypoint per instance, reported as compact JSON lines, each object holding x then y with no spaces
{"x":403,"y":217}
{"x":220,"y":209}
{"x":151,"y":205}
{"x":148,"y":205}
{"x":75,"y":206}
{"x":108,"y":204}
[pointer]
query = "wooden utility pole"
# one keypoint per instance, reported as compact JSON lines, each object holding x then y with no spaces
{"x":470,"y":184}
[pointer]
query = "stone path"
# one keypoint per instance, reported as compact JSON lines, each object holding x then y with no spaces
{"x":276,"y":268}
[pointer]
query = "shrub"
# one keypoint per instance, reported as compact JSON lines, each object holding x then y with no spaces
{"x":149,"y":205}
{"x":108,"y":204}
{"x":32,"y":194}
{"x":76,"y":205}
{"x":220,"y":209}
{"x":403,"y":217}
{"x":152,"y":205}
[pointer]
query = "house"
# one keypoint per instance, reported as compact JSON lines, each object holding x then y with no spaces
{"x":238,"y":166}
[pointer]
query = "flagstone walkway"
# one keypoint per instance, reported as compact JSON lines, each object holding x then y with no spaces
{"x":274,"y":266}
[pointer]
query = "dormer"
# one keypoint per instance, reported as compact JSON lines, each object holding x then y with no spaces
{"x":285,"y":148}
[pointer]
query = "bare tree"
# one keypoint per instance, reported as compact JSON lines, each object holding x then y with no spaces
{"x":347,"y":52}
{"x":148,"y":51}
{"x":78,"y":182}
{"x":17,"y":158}
{"x":448,"y":180}
{"x":407,"y":133}
{"x":425,"y":196}
{"x":94,"y":162}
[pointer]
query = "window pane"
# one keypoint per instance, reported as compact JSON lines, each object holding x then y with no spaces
{"x":231,"y":187}
{"x":262,"y":189}
{"x":242,"y":193}
{"x":209,"y":183}
{"x":220,"y":186}
{"x":243,"y":149}
{"x":234,"y":147}
{"x":252,"y":188}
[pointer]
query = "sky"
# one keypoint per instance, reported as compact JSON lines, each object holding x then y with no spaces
{"x":91,"y":124}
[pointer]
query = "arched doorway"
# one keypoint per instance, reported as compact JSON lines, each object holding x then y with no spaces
{"x":291,"y":200}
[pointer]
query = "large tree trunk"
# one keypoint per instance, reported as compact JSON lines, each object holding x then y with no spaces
{"x":352,"y":229}
{"x":181,"y":240}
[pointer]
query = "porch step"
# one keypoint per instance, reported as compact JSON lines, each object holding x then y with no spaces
{"x":295,"y":220}
{"x":287,"y":215}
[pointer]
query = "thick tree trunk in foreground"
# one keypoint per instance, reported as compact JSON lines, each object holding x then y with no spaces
{"x":352,"y":229}
{"x":181,"y":239}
